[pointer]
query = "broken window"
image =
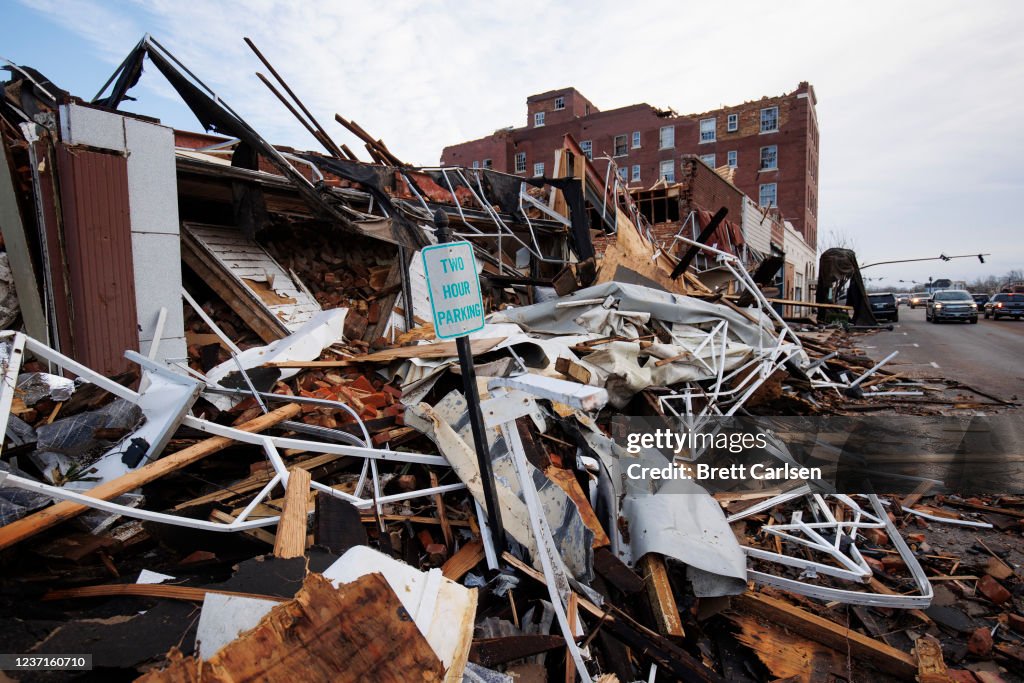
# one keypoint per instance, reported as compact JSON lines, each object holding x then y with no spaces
{"x":587,"y":146}
{"x":767,"y":195}
{"x":636,"y":173}
{"x":667,"y":137}
{"x":520,"y":162}
{"x":488,"y":163}
{"x":667,"y":170}
{"x":538,"y":119}
{"x":620,"y":146}
{"x":708,"y":159}
{"x":476,"y":164}
{"x":732,"y":123}
{"x":769,"y":157}
{"x":769,"y":119}
{"x":707,"y":130}
{"x":559,"y":103}
{"x":636,"y":139}
{"x":732,"y":158}
{"x":624,"y":174}
{"x":538,"y":168}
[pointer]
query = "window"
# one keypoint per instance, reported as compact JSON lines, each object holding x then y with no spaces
{"x":559,"y":103}
{"x":624,"y":174}
{"x":708,"y":159}
{"x":636,"y":173}
{"x":767,"y":195}
{"x":538,"y":168}
{"x":732,"y":158}
{"x":520,"y":162}
{"x":667,"y":170}
{"x":476,"y":164}
{"x":667,"y":137}
{"x":538,"y":119}
{"x":769,"y":158}
{"x":732,"y":123}
{"x":769,"y":119}
{"x":707,"y":130}
{"x":620,"y":146}
{"x":488,"y":163}
{"x":588,"y":149}
{"x":636,"y":139}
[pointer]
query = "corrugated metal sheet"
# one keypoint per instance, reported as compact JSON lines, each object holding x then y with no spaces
{"x":252,"y":267}
{"x":98,"y":244}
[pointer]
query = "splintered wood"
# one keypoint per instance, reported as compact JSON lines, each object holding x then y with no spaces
{"x":356,"y":632}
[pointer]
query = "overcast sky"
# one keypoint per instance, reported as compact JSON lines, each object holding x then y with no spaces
{"x":919,"y":103}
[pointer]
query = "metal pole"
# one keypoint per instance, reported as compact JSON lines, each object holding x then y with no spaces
{"x":476,"y":418}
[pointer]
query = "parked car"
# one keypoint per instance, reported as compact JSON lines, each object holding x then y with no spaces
{"x":1005,"y":305}
{"x":952,"y":304}
{"x":980,"y":299}
{"x":919,"y":299}
{"x":884,"y":306}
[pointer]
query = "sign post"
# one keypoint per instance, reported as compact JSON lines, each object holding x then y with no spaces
{"x":458,"y":308}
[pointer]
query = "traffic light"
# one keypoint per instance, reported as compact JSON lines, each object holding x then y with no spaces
{"x":981,"y":258}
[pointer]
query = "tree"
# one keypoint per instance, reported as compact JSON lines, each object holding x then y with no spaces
{"x":837,"y":238}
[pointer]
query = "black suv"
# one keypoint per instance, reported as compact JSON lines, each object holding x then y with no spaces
{"x":952,"y":304}
{"x":1005,"y":305}
{"x":884,"y":306}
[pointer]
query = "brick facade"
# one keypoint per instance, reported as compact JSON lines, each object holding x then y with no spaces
{"x":796,"y":145}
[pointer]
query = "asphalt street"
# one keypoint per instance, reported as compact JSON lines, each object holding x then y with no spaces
{"x":989,"y":355}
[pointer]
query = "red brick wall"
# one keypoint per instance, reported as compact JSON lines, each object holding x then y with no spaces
{"x":796,"y":139}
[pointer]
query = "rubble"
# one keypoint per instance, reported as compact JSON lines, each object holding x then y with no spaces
{"x":276,"y":433}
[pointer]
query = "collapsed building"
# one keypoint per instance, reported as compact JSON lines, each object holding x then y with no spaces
{"x":226,"y":389}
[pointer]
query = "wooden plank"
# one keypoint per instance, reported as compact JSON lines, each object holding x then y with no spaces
{"x":567,"y":482}
{"x":290,"y":540}
{"x":438,"y":350}
{"x":256,"y":534}
{"x":573,"y":370}
{"x":148,"y":590}
{"x":467,"y":557}
{"x":883,"y":657}
{"x":442,"y":515}
{"x":356,"y":632}
{"x":931,"y":668}
{"x":659,"y":593}
{"x":32,"y":524}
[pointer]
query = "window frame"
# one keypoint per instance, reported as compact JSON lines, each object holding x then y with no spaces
{"x":703,"y":157}
{"x":587,"y":147}
{"x":635,"y":174}
{"x":538,"y":165}
{"x":520,"y":156}
{"x":732,"y":158}
{"x":662,"y":136}
{"x":625,"y":145}
{"x":668,"y":177}
{"x":634,"y":142}
{"x":775,"y":195}
{"x":538,"y":119}
{"x":714,"y":130}
{"x":732,"y":123}
{"x":776,"y":119}
{"x":560,"y":103}
{"x":488,"y":163}
{"x":774,"y":157}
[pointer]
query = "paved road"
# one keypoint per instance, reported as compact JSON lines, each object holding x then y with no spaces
{"x":989,"y":355}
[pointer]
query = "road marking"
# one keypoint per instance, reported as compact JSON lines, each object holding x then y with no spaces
{"x":935,"y":365}
{"x":917,"y":345}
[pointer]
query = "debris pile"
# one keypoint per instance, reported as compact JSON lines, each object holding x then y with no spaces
{"x":275,"y":472}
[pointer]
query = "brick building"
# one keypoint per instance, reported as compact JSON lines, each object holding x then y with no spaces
{"x":772,"y":144}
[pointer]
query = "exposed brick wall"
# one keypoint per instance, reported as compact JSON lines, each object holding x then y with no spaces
{"x":796,"y":141}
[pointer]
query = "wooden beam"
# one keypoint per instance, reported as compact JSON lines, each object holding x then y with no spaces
{"x":148,"y":590}
{"x":931,"y":668}
{"x":442,"y":515}
{"x":31,"y":525}
{"x":467,"y":557}
{"x":438,"y":350}
{"x":883,"y":657}
{"x":659,"y":593}
{"x":290,"y":540}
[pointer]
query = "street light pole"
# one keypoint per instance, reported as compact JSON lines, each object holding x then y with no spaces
{"x":940,"y":257}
